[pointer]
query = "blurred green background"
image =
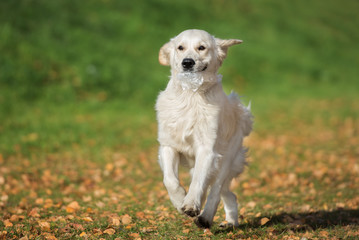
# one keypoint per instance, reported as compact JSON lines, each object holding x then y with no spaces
{"x":80,"y":73}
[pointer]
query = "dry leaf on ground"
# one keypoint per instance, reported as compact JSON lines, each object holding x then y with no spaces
{"x":126,"y":219}
{"x":109,"y":231}
{"x":264,"y":221}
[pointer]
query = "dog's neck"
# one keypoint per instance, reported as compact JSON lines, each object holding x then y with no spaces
{"x":195,"y":82}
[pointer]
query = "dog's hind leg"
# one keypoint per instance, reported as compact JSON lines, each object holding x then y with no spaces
{"x":205,"y":220}
{"x":169,"y":161}
{"x":220,"y":188}
{"x":230,"y":206}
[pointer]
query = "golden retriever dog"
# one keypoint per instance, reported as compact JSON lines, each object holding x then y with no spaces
{"x":201,"y":127}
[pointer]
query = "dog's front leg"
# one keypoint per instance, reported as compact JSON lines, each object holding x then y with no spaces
{"x":169,"y":160}
{"x":203,"y":170}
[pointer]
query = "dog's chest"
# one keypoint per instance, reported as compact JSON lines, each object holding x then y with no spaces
{"x":187,"y":122}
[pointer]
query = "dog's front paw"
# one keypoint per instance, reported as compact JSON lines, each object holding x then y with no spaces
{"x":202,"y":222}
{"x":191,"y":211}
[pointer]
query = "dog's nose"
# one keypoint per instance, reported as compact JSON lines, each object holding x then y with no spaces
{"x":188,"y":63}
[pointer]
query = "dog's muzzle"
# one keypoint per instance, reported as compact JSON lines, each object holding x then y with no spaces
{"x":188,"y":64}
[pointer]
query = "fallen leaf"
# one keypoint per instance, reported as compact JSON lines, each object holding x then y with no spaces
{"x":126,"y":219}
{"x":45,"y":226}
{"x":148,"y":229}
{"x":83,"y":234}
{"x":207,"y":232}
{"x":140,"y":215}
{"x":2,"y":180}
{"x":242,"y":211}
{"x":86,"y":198}
{"x":72,"y":207}
{"x":186,"y":231}
{"x":7,"y":223}
{"x":87,"y":219}
{"x":48,"y":203}
{"x":49,"y":236}
{"x":114,"y":221}
{"x":33,"y":213}
{"x":39,"y":201}
{"x":109,"y":231}
{"x":267,"y":206}
{"x":251,"y":204}
{"x":109,"y":167}
{"x":264,"y":221}
{"x":135,"y":235}
{"x":323,"y":234}
{"x":97,"y":231}
{"x":129,"y":226}
{"x":77,"y":226}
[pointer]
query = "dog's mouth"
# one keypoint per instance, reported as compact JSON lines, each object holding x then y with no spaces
{"x":204,"y":69}
{"x":191,"y":70}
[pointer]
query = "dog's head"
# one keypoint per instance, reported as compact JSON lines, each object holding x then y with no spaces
{"x":195,"y":51}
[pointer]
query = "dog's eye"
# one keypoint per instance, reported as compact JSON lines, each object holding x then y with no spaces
{"x":201,"y":48}
{"x":180,"y":47}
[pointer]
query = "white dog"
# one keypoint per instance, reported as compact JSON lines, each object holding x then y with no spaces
{"x":200,"y":126}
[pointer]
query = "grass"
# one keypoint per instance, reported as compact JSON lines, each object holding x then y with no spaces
{"x":78,"y":150}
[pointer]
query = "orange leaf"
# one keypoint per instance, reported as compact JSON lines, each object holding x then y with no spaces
{"x":148,"y":229}
{"x":186,"y":231}
{"x":126,"y":219}
{"x":140,"y":215}
{"x":75,"y":205}
{"x":323,"y":233}
{"x":109,"y":231}
{"x":33,"y":213}
{"x":72,"y":207}
{"x":264,"y":221}
{"x":251,"y":204}
{"x":45,"y":226}
{"x":135,"y":235}
{"x":39,"y":201}
{"x":207,"y":232}
{"x":70,"y":210}
{"x":14,"y":218}
{"x":7,"y":223}
{"x":115,"y":221}
{"x":242,"y":211}
{"x":87,"y":219}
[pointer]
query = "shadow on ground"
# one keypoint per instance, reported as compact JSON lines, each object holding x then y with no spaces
{"x":302,"y":222}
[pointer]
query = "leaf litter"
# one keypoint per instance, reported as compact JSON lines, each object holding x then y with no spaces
{"x":302,"y":183}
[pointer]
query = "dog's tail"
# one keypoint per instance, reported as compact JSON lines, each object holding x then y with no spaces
{"x":246,"y":117}
{"x":249,"y":105}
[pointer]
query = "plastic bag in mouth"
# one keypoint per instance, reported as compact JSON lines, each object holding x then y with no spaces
{"x":190,"y":81}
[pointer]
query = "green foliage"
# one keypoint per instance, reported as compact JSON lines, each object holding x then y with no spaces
{"x":74,"y":50}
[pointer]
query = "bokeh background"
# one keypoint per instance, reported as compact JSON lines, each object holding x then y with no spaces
{"x":79,"y":80}
{"x":103,"y":54}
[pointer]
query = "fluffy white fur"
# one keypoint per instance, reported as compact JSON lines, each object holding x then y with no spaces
{"x":200,"y":126}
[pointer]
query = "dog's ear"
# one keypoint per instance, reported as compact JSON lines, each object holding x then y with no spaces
{"x":223,"y":45}
{"x":164,"y":55}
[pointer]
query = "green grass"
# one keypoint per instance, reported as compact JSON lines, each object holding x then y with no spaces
{"x":78,"y":84}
